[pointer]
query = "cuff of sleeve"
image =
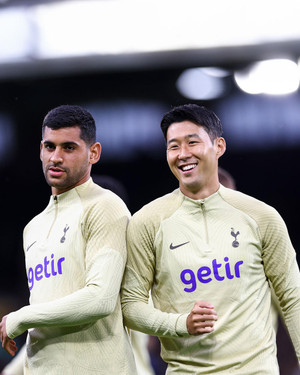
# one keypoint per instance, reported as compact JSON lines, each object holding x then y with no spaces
{"x":181,"y":328}
{"x":12,"y":326}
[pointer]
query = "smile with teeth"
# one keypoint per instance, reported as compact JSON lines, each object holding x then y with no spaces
{"x":188,"y":167}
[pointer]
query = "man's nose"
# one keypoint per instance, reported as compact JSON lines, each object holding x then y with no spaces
{"x":184,"y":152}
{"x":56,"y":156}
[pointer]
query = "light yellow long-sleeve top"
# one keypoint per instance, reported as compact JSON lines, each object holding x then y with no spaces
{"x":75,"y":254}
{"x":224,"y":249}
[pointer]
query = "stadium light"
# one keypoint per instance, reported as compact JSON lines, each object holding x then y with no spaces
{"x":202,"y":83}
{"x":274,"y":77}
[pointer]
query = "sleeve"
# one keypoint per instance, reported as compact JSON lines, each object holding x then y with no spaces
{"x":138,"y":313}
{"x":104,"y":229}
{"x":281,"y":268}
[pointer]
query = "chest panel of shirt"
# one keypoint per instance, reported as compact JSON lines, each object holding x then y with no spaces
{"x":206,"y":248}
{"x":54,"y":251}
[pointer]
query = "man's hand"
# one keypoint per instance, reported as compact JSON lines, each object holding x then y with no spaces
{"x":8,"y":344}
{"x":201,"y":319}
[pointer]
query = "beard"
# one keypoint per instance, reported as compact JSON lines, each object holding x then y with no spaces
{"x":69,"y":178}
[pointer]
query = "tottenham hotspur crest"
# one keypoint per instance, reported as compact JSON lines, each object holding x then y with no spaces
{"x":235,"y":243}
{"x":62,"y":240}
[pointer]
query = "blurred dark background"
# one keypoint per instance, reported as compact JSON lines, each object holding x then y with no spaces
{"x":128,"y":93}
{"x":267,"y":172}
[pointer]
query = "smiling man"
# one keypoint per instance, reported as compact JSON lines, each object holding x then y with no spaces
{"x":208,"y":255}
{"x":75,"y":253}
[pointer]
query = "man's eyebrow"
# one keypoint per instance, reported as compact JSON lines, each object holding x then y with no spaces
{"x":47,"y":142}
{"x":186,"y":137}
{"x":68,"y":143}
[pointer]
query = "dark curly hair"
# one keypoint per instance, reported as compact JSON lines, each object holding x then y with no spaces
{"x":72,"y":115}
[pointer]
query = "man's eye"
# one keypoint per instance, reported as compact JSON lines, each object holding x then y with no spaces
{"x":70,"y":148}
{"x":173,"y":147}
{"x":49,"y":147}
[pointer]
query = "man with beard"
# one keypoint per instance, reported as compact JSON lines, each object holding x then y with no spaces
{"x":75,"y":255}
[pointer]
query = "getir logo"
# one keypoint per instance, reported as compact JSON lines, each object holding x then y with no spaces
{"x":205,"y":274}
{"x":47,"y":269}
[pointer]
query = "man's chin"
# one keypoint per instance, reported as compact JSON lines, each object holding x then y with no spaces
{"x":55,"y":182}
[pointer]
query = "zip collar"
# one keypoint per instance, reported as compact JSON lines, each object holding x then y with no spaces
{"x":70,"y":195}
{"x":199,"y":202}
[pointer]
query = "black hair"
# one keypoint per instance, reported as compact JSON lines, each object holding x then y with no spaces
{"x":66,"y":116}
{"x":195,"y":113}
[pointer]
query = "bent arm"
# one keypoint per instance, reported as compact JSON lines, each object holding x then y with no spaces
{"x":96,"y":300}
{"x":138,"y":279}
{"x":141,"y":315}
{"x":103,"y":227}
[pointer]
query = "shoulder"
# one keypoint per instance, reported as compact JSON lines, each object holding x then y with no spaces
{"x":93,"y":194}
{"x":101,"y":204}
{"x":164,"y":205}
{"x":156,"y":211}
{"x":262,"y":213}
{"x":244,"y":202}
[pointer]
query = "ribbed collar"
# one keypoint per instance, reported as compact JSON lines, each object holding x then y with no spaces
{"x":207,"y":201}
{"x":69,"y":196}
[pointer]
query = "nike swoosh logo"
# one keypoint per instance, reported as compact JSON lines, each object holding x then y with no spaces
{"x":30,"y":245}
{"x":172,"y":247}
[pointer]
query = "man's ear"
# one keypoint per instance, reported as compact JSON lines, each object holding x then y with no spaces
{"x":95,"y":153}
{"x":221,"y":146}
{"x":41,"y":149}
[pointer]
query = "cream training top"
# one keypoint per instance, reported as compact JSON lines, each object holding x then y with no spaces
{"x":75,"y":254}
{"x":224,"y":249}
